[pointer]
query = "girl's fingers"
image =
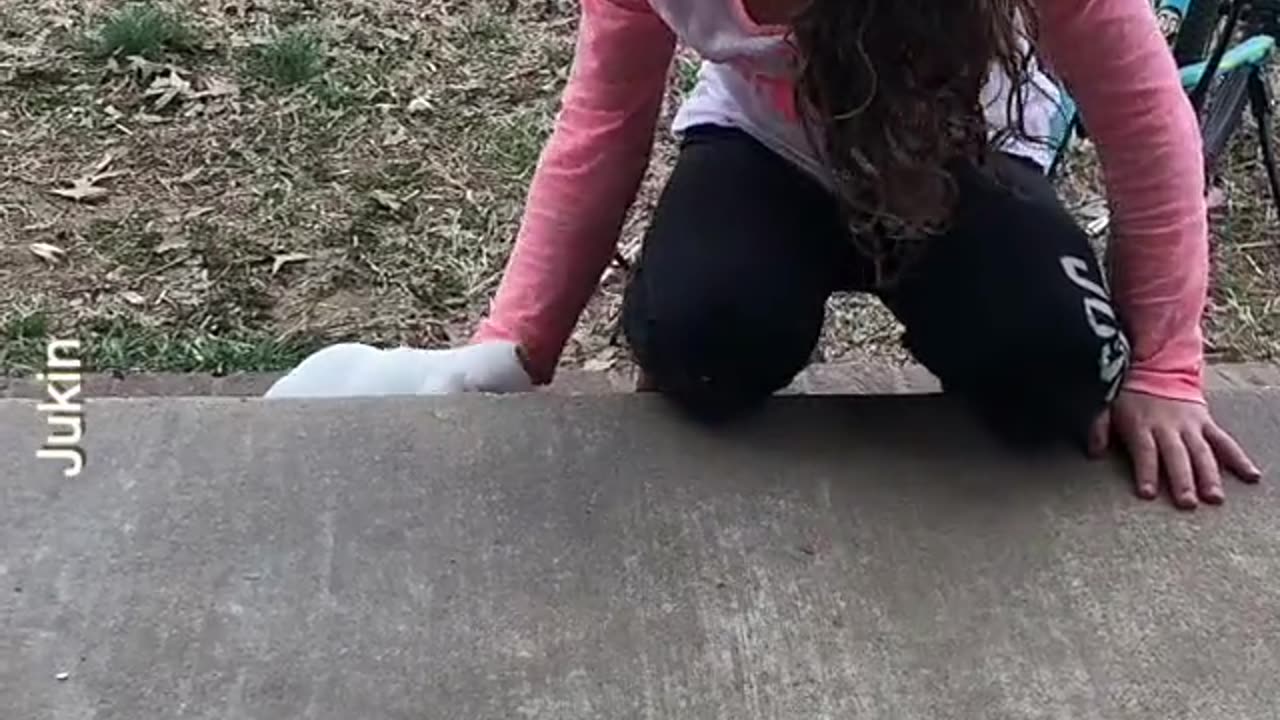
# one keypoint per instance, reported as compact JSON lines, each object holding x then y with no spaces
{"x":1145,"y":456}
{"x":1176,"y":463}
{"x":1205,"y":464}
{"x":1100,"y":435}
{"x":1231,"y":455}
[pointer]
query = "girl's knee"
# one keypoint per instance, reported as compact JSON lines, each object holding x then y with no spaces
{"x":719,"y":354}
{"x":1053,"y":386}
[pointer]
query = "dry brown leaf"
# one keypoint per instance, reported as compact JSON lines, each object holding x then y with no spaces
{"x":387,"y":200}
{"x":598,"y":365}
{"x":280,"y":261}
{"x":20,"y":51}
{"x":395,"y":137}
{"x":169,"y":246}
{"x":167,"y":88}
{"x":216,"y":87}
{"x":602,"y":362}
{"x":49,"y":253}
{"x":83,"y":189}
{"x":87,"y":188}
{"x":103,"y":164}
{"x":392,"y":34}
{"x":142,"y":66}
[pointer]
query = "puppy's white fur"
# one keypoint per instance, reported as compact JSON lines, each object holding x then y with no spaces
{"x":357,"y":370}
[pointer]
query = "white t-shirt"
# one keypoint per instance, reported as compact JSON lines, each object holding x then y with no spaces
{"x":746,"y":82}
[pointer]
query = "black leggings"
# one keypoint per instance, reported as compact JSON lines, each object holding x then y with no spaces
{"x":1008,"y":308}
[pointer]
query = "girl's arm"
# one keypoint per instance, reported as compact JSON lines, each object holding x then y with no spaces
{"x":1118,"y":68}
{"x":586,"y":180}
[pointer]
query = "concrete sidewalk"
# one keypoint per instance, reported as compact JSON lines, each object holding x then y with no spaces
{"x":595,"y":557}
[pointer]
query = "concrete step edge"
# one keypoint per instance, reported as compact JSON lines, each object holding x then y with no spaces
{"x":822,"y":379}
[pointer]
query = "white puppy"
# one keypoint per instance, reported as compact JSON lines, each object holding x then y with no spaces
{"x":355,"y":370}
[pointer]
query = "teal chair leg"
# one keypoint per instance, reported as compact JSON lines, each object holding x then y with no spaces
{"x":1255,"y":51}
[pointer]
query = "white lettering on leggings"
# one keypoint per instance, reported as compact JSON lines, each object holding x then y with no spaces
{"x":1101,"y":317}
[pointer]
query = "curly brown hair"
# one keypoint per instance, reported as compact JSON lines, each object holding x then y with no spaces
{"x":894,"y":87}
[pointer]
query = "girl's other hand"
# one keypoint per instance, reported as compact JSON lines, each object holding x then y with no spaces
{"x":1176,"y":440}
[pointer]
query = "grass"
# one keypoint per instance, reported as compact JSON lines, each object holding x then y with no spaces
{"x":121,"y":345}
{"x":511,"y":144}
{"x":686,"y":70}
{"x":291,"y":58}
{"x":142,"y":29}
{"x":126,"y":346}
{"x":324,"y":171}
{"x":25,"y":326}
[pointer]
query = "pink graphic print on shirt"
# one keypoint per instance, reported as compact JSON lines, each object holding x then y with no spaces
{"x":776,"y":83}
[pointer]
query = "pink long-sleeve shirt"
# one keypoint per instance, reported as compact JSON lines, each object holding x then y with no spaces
{"x":1110,"y":54}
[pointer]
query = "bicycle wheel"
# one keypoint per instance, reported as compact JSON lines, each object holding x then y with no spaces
{"x":1196,"y":32}
{"x":1223,"y":114}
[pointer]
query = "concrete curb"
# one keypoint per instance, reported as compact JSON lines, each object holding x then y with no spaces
{"x":827,"y":379}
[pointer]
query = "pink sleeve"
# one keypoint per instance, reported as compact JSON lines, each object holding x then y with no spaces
{"x":586,"y":180}
{"x":1118,"y":68}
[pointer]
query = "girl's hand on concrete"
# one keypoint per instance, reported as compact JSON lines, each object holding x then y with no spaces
{"x":1175,"y":440}
{"x":354,"y":370}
